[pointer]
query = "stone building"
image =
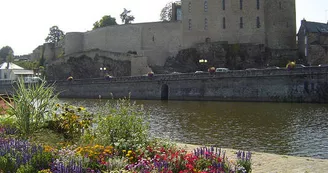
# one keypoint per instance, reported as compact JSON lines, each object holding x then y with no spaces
{"x":265,"y":23}
{"x":268,"y":22}
{"x":313,"y":42}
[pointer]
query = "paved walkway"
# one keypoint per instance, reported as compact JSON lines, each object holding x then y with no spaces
{"x":273,"y":163}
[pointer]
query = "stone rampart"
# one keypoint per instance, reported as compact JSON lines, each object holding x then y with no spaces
{"x":279,"y":85}
{"x":308,"y":85}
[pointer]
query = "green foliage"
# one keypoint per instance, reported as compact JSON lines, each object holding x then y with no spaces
{"x":26,"y":169}
{"x":126,"y":18}
{"x":55,"y":35}
{"x":6,"y":163}
{"x":30,"y":106}
{"x":106,"y":20}
{"x":71,"y":120}
{"x":166,"y":13}
{"x":41,"y":160}
{"x":7,"y":121}
{"x":4,"y":52}
{"x":29,"y":65}
{"x":245,"y":165}
{"x":124,"y":127}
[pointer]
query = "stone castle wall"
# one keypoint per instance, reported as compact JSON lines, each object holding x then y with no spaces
{"x":157,"y":41}
{"x":195,"y":31}
{"x":278,"y":85}
{"x":280,"y":24}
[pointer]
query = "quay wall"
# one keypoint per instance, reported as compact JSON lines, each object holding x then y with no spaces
{"x":279,"y":85}
{"x":308,"y":85}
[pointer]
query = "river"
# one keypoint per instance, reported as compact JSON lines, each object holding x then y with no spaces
{"x":280,"y":128}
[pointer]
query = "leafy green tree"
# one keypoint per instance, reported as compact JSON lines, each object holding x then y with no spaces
{"x":126,"y":18}
{"x":105,"y":21}
{"x":55,"y":35}
{"x":166,"y":13}
{"x":29,"y":65}
{"x":5,"y":52}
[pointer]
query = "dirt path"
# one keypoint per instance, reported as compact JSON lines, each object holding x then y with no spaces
{"x":273,"y":163}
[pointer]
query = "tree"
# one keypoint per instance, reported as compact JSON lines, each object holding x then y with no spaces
{"x":126,"y":18}
{"x":5,"y":52}
{"x":55,"y":35}
{"x":166,"y":13}
{"x":105,"y":21}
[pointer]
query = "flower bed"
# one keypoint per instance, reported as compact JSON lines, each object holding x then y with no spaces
{"x":114,"y":140}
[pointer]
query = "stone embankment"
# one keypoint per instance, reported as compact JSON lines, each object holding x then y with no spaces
{"x":274,"y":163}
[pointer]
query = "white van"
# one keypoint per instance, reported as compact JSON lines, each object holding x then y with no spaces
{"x":221,"y":70}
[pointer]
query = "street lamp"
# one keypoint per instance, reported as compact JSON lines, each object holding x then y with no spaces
{"x":203,"y":62}
{"x":103,"y":70}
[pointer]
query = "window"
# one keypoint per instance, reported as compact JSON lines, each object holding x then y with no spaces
{"x":280,"y":7}
{"x":205,"y":6}
{"x":241,"y":4}
{"x":258,"y":23}
{"x":305,"y":40}
{"x":305,"y":52}
{"x":241,"y":24}
{"x":189,"y":25}
{"x":224,"y":23}
{"x":5,"y":76}
{"x":258,"y":4}
{"x":223,"y":4}
{"x":189,"y":7}
{"x":205,"y":24}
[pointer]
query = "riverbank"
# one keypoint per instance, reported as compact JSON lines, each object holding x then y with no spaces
{"x":274,"y":163}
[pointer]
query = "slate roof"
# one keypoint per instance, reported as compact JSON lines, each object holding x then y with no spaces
{"x":315,"y":27}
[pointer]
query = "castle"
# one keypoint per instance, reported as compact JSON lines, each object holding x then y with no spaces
{"x":268,"y":23}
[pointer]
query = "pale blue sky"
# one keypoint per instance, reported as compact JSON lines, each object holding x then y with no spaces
{"x":25,"y":23}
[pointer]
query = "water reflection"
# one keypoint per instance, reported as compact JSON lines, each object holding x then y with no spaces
{"x":282,"y":128}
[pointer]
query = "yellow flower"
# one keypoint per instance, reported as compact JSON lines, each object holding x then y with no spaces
{"x":129,"y":152}
{"x":127,"y":155}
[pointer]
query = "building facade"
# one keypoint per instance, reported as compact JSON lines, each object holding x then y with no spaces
{"x":268,"y":22}
{"x":313,"y":42}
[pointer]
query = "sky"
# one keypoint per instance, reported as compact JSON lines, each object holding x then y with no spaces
{"x":25,"y":23}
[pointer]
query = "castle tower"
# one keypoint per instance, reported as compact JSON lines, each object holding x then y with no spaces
{"x":280,"y":24}
{"x":268,"y":22}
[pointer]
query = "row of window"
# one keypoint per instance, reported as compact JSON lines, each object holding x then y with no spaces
{"x":241,"y":23}
{"x":223,"y":5}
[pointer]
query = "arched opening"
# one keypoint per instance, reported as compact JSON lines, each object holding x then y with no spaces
{"x":165,"y":92}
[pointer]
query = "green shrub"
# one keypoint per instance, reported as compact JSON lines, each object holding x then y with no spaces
{"x":41,"y":160}
{"x":125,"y":126}
{"x":70,"y":120}
{"x":6,"y":164}
{"x":26,"y":169}
{"x":30,"y":106}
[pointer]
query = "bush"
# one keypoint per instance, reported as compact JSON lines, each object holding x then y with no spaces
{"x":30,"y":106}
{"x":124,"y":127}
{"x":70,"y":120}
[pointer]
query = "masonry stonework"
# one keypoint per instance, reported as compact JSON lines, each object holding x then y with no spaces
{"x":266,"y":22}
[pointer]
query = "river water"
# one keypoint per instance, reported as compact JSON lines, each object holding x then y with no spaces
{"x":280,"y":128}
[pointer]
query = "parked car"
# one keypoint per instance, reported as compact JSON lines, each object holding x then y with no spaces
{"x":299,"y":66}
{"x":323,"y":65}
{"x":249,"y":69}
{"x":221,"y":70}
{"x":175,"y":72}
{"x":272,"y":67}
{"x":199,"y":72}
